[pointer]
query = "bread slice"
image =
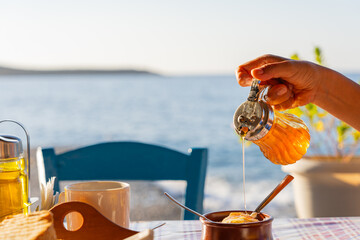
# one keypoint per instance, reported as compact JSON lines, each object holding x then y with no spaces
{"x":34,"y":226}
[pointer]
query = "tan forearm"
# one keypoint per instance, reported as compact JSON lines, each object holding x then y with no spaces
{"x":340,"y":96}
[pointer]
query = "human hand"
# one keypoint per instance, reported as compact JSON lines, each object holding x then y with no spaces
{"x":292,"y":83}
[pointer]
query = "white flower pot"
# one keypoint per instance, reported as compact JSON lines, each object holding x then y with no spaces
{"x":326,"y":188}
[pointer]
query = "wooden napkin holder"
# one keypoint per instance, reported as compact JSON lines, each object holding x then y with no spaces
{"x":95,"y":225}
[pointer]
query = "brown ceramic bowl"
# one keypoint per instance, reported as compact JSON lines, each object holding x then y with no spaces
{"x":236,"y":231}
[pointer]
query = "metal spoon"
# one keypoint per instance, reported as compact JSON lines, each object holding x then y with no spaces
{"x":186,"y":208}
{"x":287,"y":179}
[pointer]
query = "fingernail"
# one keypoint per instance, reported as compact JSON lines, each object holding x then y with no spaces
{"x":281,"y":91}
{"x":258,"y":71}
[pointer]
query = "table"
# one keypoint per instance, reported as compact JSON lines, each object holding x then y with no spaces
{"x":342,"y":228}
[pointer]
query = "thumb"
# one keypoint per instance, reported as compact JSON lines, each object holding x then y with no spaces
{"x":269,"y":71}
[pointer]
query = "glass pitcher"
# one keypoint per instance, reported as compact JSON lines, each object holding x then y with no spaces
{"x":14,"y":175}
{"x":283,"y":138}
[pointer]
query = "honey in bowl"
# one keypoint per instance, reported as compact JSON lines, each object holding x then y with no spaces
{"x":239,"y":217}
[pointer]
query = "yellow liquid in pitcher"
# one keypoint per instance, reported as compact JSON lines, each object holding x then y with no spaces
{"x":287,"y":141}
{"x":13,"y":187}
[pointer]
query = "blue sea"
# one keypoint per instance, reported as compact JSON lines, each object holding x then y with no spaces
{"x":177,"y":112}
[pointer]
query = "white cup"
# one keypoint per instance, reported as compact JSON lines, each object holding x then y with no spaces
{"x":110,"y":198}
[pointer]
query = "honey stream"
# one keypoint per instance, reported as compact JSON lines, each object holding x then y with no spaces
{"x":243,"y":162}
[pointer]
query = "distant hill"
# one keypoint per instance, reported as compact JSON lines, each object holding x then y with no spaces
{"x":16,"y":71}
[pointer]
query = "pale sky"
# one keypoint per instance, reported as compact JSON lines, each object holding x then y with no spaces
{"x":176,"y":37}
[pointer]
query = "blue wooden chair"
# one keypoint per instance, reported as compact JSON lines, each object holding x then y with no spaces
{"x":128,"y":161}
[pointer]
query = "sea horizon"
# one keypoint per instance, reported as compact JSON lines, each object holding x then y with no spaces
{"x":177,"y":112}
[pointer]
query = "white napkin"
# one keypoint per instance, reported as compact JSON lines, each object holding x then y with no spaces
{"x":48,"y":199}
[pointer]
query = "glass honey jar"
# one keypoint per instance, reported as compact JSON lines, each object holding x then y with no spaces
{"x":14,"y":180}
{"x":283,"y":138}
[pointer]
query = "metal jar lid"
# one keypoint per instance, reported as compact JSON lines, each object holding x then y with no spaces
{"x":10,"y":147}
{"x":253,"y":118}
{"x":256,"y":117}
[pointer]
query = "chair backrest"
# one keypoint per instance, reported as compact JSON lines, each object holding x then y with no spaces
{"x":129,"y":161}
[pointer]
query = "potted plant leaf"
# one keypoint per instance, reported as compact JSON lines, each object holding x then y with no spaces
{"x":327,"y":179}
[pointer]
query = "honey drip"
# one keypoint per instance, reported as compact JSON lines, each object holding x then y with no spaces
{"x":243,"y":161}
{"x":242,"y":136}
{"x":287,"y":141}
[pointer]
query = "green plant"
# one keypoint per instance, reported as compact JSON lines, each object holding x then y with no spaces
{"x":335,"y":138}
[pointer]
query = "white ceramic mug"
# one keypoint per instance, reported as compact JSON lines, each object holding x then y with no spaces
{"x":110,"y":198}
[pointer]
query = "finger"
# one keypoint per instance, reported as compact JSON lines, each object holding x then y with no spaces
{"x":283,"y":70}
{"x":265,"y":59}
{"x":271,"y":82}
{"x":285,"y":105}
{"x":248,"y":66}
{"x":278,"y":94}
{"x":244,"y":79}
{"x":243,"y":72}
